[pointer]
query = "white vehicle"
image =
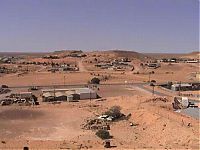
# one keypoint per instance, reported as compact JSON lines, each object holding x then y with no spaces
{"x":105,"y":117}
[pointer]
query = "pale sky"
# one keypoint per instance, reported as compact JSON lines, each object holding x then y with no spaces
{"x":139,"y":25}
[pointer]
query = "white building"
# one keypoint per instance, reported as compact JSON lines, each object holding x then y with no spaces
{"x":86,"y":93}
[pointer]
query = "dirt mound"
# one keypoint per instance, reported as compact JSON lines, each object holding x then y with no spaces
{"x":192,"y":55}
{"x":158,"y":99}
{"x":126,"y":53}
{"x":20,"y":114}
{"x":121,"y":53}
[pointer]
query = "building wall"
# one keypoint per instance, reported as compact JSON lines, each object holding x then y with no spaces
{"x":88,"y":96}
{"x":182,"y":88}
{"x":61,"y":98}
{"x":76,"y":96}
{"x":47,"y":99}
{"x":70,"y":98}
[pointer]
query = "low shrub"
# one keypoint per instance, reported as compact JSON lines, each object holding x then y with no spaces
{"x":103,"y":134}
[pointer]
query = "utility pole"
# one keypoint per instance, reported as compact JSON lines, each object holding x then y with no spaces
{"x":54,"y":92}
{"x":149,"y":76}
{"x":179,"y":89}
{"x":151,"y":84}
{"x":64,"y":80}
{"x":153,"y":89}
{"x":90,"y":96}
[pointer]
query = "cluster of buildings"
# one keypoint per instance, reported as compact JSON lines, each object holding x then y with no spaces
{"x":69,"y":95}
{"x":8,"y":59}
{"x":34,"y":63}
{"x":5,"y":70}
{"x":48,"y":95}
{"x":26,"y":98}
{"x":186,"y":86}
{"x":179,"y":60}
{"x":51,"y":57}
{"x":182,"y":86}
{"x":77,"y":55}
{"x":64,"y":67}
{"x":116,"y":64}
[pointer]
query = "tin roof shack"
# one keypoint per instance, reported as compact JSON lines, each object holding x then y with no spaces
{"x":51,"y":57}
{"x":181,"y":87}
{"x":77,"y":54}
{"x":153,"y":65}
{"x":48,"y":97}
{"x":68,"y":94}
{"x":69,"y":68}
{"x":56,"y":95}
{"x":104,"y":65}
{"x":22,"y":95}
{"x":192,"y":61}
{"x":61,"y":96}
{"x":73,"y":94}
{"x":53,"y":70}
{"x":126,"y":59}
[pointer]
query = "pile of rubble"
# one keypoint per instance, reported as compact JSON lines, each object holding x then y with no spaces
{"x":158,"y":99}
{"x":25,"y":100}
{"x":96,"y":124}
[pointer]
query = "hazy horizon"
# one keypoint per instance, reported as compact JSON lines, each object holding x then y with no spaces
{"x":146,"y":26}
{"x":30,"y":52}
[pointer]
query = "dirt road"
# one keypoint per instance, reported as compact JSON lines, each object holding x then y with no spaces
{"x":81,"y":66}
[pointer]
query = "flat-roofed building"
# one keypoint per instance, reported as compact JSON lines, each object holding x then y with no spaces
{"x":181,"y":87}
{"x":86,"y":93}
{"x":68,"y":94}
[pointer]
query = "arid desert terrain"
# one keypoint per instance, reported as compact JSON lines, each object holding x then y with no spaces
{"x":141,"y":87}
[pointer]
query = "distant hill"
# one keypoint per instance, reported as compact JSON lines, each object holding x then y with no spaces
{"x":192,"y":55}
{"x":109,"y":54}
{"x":121,"y":54}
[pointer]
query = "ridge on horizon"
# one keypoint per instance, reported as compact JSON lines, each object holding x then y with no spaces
{"x":105,"y":50}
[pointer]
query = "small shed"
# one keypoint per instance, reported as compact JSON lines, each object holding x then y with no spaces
{"x":61,"y":96}
{"x":48,"y":96}
{"x":182,"y":87}
{"x":86,"y":93}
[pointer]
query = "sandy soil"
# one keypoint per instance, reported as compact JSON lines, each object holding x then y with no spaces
{"x":46,"y":79}
{"x":163,"y":74}
{"x":56,"y":126}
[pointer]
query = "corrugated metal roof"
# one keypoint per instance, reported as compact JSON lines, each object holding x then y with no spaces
{"x":56,"y":90}
{"x":84,"y":90}
{"x":65,"y":92}
{"x":59,"y":94}
{"x":48,"y":94}
{"x":69,"y":92}
{"x":182,"y":85}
